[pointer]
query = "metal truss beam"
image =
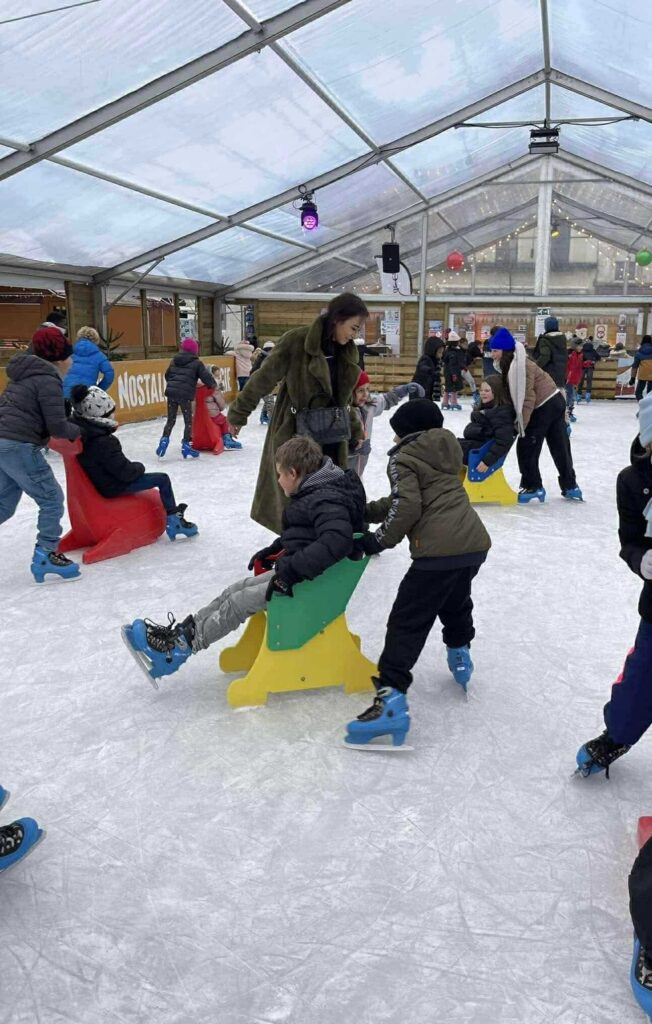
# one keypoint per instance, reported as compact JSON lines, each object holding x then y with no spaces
{"x":597,"y":214}
{"x":594,"y":92}
{"x":174,"y":81}
{"x":335,"y":174}
{"x":545,"y":35}
{"x":603,"y":171}
{"x":341,"y":244}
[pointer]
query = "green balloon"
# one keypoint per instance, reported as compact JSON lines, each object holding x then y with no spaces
{"x":644,"y":257}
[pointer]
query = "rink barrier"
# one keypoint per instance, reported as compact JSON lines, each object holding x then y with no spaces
{"x":301,"y":643}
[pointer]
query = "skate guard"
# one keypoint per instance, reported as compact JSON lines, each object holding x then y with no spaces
{"x":206,"y":437}
{"x":301,"y":643}
{"x":488,"y":488}
{"x":107,"y":527}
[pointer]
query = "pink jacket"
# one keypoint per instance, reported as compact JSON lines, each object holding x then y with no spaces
{"x":215,"y":403}
{"x":243,"y":353}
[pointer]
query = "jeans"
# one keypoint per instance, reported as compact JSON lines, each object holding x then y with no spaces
{"x":547,"y":423}
{"x":424,"y":595}
{"x":629,"y":712}
{"x":160,"y":480}
{"x":587,"y":379}
{"x":241,"y":382}
{"x":23,"y":469}
{"x":173,"y":408}
{"x":571,"y":394}
{"x":230,"y":609}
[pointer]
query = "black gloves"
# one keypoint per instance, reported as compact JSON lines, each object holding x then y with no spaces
{"x":278,"y":586}
{"x":266,"y":556}
{"x":366,"y":545}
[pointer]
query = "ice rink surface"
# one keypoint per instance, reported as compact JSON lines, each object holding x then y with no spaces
{"x":207,"y":866}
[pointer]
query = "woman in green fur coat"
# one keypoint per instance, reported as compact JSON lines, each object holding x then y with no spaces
{"x":317,"y":367}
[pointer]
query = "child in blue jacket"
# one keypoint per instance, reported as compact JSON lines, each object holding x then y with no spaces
{"x":88,"y":363}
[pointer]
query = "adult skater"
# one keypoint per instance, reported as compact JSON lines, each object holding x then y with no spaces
{"x":428,"y":369}
{"x":540,"y":416}
{"x":641,"y":370}
{"x":317,"y":367}
{"x":551,"y":351}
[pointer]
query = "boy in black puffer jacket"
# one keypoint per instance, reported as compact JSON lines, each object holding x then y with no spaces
{"x":106,"y":465}
{"x":326,"y":508}
{"x":494,"y":421}
{"x":182,"y":375}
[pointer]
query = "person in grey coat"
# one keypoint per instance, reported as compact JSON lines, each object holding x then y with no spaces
{"x":32,"y":409}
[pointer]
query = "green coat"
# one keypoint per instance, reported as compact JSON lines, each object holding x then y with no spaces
{"x":428,"y":502}
{"x":299,"y":364}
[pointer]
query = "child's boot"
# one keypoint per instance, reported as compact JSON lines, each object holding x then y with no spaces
{"x":460,"y":664}
{"x":159,"y":650}
{"x":588,"y":397}
{"x":176,"y":524}
{"x":389,"y":716}
{"x":596,"y":755}
{"x":446,"y":404}
{"x":572,"y":494}
{"x":162,"y":446}
{"x":44,"y":562}
{"x":188,"y":451}
{"x":475,"y":400}
{"x":640,"y":977}
{"x":527,"y":494}
{"x":230,"y":443}
{"x":455,"y":402}
{"x":17,"y":840}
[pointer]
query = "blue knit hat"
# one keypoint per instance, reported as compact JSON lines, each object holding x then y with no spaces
{"x":551,"y":323}
{"x":645,"y":420}
{"x":503,"y":339}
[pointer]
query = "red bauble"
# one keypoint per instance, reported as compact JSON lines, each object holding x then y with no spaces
{"x":455,"y":260}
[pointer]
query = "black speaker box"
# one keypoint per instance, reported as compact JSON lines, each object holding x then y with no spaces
{"x":391,"y":258}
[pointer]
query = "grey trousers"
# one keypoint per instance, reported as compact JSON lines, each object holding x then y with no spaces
{"x":229,"y":610}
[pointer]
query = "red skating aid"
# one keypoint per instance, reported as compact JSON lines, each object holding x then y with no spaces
{"x":206,"y":435}
{"x":644,"y":831}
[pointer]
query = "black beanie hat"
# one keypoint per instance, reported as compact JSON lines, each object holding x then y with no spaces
{"x":421,"y":414}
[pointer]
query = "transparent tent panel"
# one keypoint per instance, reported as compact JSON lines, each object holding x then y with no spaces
{"x":489,"y":201}
{"x":605,"y":44}
{"x":58,"y":215}
{"x":228,"y":257}
{"x":249,"y":132}
{"x":396,"y":70}
{"x":623,"y":146}
{"x":460,"y":154}
{"x":609,"y":201}
{"x":59,"y":66}
{"x":263,"y":9}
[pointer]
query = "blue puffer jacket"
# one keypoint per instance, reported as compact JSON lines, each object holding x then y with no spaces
{"x":87,"y":364}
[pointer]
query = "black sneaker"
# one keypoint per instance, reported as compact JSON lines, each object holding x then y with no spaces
{"x":596,"y":755}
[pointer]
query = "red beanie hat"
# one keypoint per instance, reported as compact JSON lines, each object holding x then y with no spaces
{"x":50,"y":344}
{"x":363,"y":379}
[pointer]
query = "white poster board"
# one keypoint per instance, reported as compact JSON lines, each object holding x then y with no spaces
{"x":621,"y":336}
{"x":601,"y":333}
{"x":539,"y":324}
{"x":391,"y":328}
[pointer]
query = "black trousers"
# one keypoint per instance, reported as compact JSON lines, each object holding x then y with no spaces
{"x":643,"y":387}
{"x":173,"y":408}
{"x":547,"y":423}
{"x":423,"y":596}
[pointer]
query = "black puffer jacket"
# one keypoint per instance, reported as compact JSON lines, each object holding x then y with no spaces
{"x":454,"y":362}
{"x":103,"y":459}
{"x":319,"y":522}
{"x":428,"y":375}
{"x":182,"y":375}
{"x":32,"y":407}
{"x":494,"y":423}
{"x":551,"y":354}
{"x":633,"y":492}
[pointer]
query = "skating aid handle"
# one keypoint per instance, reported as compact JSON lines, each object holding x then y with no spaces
{"x":259,"y":568}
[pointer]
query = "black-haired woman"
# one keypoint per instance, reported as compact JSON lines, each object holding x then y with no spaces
{"x":317,"y":368}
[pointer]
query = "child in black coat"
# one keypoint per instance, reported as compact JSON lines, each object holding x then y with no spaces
{"x":494,"y":421}
{"x":428,"y":369}
{"x":106,"y":465}
{"x":182,"y":375}
{"x":454,"y":366}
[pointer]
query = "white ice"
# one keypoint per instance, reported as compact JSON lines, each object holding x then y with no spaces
{"x":204,"y":866}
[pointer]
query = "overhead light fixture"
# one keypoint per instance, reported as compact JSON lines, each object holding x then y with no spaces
{"x":544,"y":141}
{"x":308,"y":208}
{"x":554,"y":229}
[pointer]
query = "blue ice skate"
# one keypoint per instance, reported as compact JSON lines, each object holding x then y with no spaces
{"x":572,"y":417}
{"x":445,"y":406}
{"x":475,"y":400}
{"x":176,"y":524}
{"x":17,"y":840}
{"x":588,"y":397}
{"x":572,"y":494}
{"x":4,"y":796}
{"x":597,"y":755}
{"x":230,"y":443}
{"x":528,"y":494}
{"x":640,"y":977}
{"x":388,"y":716}
{"x":162,"y":446}
{"x":44,"y":562}
{"x":157,"y":650}
{"x":460,"y":664}
{"x":264,"y":419}
{"x":188,"y":451}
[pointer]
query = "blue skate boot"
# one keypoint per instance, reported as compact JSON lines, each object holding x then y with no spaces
{"x":475,"y":400}
{"x":388,"y":716}
{"x":44,"y":562}
{"x":176,"y":524}
{"x":640,"y":977}
{"x":460,"y":664}
{"x":529,"y":493}
{"x":572,"y":417}
{"x":230,"y":443}
{"x":588,"y":397}
{"x":4,"y":796}
{"x":596,"y":755}
{"x":162,"y":446}
{"x":159,"y":650}
{"x":188,"y":451}
{"x":17,"y":840}
{"x":572,"y":494}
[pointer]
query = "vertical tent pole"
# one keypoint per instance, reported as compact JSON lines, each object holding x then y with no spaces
{"x":421,"y":327}
{"x":544,"y":210}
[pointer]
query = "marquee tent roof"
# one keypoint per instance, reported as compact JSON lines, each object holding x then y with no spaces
{"x":131,"y":134}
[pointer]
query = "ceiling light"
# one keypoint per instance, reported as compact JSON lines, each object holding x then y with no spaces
{"x":544,"y":141}
{"x":554,"y":229}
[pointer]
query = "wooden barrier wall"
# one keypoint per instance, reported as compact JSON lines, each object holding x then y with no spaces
{"x":139,"y":386}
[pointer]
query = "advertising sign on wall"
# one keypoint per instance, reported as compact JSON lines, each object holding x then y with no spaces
{"x":601,"y":333}
{"x":139,"y":386}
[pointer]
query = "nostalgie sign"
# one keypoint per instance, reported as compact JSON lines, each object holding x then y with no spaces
{"x":139,"y":386}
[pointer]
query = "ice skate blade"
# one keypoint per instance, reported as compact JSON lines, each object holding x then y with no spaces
{"x":141,"y":659}
{"x":382,"y":748}
{"x":53,"y":577}
{"x":37,"y":842}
